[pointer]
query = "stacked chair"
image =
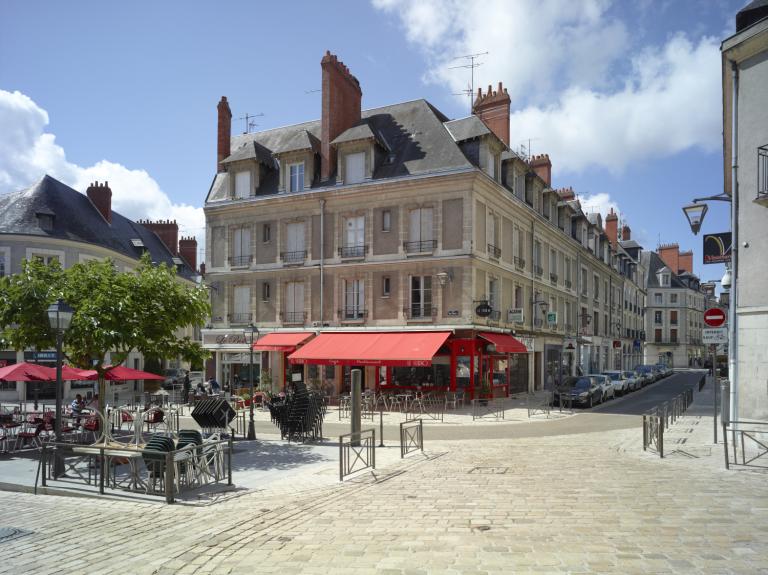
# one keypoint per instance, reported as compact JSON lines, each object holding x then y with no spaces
{"x":300,"y":415}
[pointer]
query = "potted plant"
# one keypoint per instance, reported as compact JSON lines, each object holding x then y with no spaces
{"x":486,"y":391}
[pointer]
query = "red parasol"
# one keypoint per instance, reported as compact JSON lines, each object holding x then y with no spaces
{"x":122,"y":373}
{"x":25,"y":372}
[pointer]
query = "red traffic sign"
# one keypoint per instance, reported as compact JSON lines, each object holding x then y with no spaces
{"x":714,"y":317}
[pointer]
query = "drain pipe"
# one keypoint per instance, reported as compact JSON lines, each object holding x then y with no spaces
{"x":733,"y":344}
{"x":322,"y":260}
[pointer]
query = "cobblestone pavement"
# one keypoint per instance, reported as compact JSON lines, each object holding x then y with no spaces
{"x":587,"y":503}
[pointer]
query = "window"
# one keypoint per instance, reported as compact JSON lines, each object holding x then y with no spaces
{"x":242,"y":304}
{"x":606,"y":291}
{"x":518,"y":297}
{"x":266,"y":233}
{"x":420,"y":230}
{"x":490,"y":164}
{"x":520,"y":185}
{"x":241,"y":247}
{"x":673,"y":317}
{"x":354,"y":168}
{"x":658,"y":317}
{"x":295,"y":242}
{"x":354,"y":299}
{"x":354,"y":237}
{"x":265,"y":291}
{"x":242,"y":184}
{"x":584,"y":282}
{"x":673,"y":298}
{"x":386,"y":284}
{"x":553,"y":263}
{"x":4,"y":263}
{"x":537,"y":253}
{"x":567,"y":314}
{"x":520,"y":244}
{"x":493,"y":293}
{"x":421,"y":296}
{"x":657,"y":335}
{"x":547,"y":209}
{"x":46,"y":258}
{"x":294,"y":302}
{"x":658,"y":298}
{"x":386,"y":220}
{"x":45,"y":221}
{"x":597,"y":288}
{"x":673,"y":336}
{"x":297,"y":177}
{"x":494,"y":247}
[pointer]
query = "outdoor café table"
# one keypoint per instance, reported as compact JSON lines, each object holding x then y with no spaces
{"x":131,"y":452}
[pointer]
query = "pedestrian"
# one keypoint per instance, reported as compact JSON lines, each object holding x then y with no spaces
{"x":77,"y":406}
{"x":187,"y":387}
{"x":215,"y":388}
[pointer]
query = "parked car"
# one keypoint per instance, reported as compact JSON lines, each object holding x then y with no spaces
{"x":583,"y":390}
{"x":647,"y":372}
{"x":633,"y":381}
{"x":664,"y":369}
{"x":605,"y":384}
{"x":174,"y":377}
{"x":619,"y":381}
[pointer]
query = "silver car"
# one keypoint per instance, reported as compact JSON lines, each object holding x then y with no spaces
{"x":633,"y":382}
{"x":605,"y":384}
{"x":618,"y":380}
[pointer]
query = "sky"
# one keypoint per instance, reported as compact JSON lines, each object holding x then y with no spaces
{"x":624,"y":96}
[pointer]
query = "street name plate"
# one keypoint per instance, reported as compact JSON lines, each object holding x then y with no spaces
{"x":716,"y":335}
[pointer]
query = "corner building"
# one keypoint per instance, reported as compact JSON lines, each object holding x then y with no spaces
{"x":398,"y":220}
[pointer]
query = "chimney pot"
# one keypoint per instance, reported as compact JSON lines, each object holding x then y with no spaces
{"x":224,"y":133}
{"x":101,"y":197}
{"x":341,"y":108}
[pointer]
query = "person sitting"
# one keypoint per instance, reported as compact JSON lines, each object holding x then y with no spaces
{"x":77,"y":406}
{"x":215,"y":387}
{"x":200,"y":389}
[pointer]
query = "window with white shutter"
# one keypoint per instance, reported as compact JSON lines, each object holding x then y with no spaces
{"x":354,"y":168}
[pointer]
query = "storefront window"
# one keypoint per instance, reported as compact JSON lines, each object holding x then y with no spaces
{"x":462,"y":373}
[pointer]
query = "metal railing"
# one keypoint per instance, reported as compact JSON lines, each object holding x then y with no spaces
{"x":429,"y":405}
{"x":488,"y":408}
{"x":762,"y":172}
{"x":656,"y":420}
{"x":420,"y":312}
{"x":749,"y":443}
{"x":494,"y":251}
{"x":568,"y":284}
{"x":240,"y":260}
{"x":420,"y":246}
{"x":296,"y":257}
{"x":411,"y":437}
{"x":538,"y":270}
{"x":293,"y":316}
{"x":357,"y":251}
{"x":520,"y":263}
{"x":553,"y":278}
{"x":357,"y":452}
{"x":538,"y":404}
{"x":239,"y":318}
{"x":352,"y":313}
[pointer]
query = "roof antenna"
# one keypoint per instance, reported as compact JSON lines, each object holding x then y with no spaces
{"x":471,"y":65}
{"x":249,"y":123}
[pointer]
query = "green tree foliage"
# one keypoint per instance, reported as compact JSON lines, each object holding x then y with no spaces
{"x":115,"y":312}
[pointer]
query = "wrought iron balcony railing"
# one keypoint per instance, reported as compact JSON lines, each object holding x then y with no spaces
{"x":237,"y":261}
{"x":538,"y":270}
{"x":762,"y":174}
{"x":243,"y":318}
{"x":425,"y":313}
{"x":494,"y":251}
{"x":294,"y":258}
{"x":352,"y":313}
{"x":293,"y":316}
{"x":568,"y":284}
{"x":420,"y":247}
{"x":553,"y":278}
{"x":520,"y":263}
{"x":357,"y":251}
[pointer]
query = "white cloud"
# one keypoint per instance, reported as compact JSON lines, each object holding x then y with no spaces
{"x":582,"y":92}
{"x":27,"y":153}
{"x":602,"y":203}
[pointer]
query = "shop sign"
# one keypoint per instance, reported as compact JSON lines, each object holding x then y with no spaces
{"x":515,"y":315}
{"x":717,"y":248}
{"x":616,"y":344}
{"x":552,"y":318}
{"x":526,"y":340}
{"x":225,"y":339}
{"x":39,"y":356}
{"x":484,"y":310}
{"x":569,"y":344}
{"x":453,"y":313}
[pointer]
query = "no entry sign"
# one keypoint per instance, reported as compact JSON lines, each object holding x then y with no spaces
{"x":714,"y":317}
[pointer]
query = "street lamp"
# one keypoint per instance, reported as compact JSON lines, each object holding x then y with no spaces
{"x":253,"y":333}
{"x":695,"y":214}
{"x":59,"y":317}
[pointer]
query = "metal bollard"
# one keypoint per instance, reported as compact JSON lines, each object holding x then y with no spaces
{"x":381,"y":427}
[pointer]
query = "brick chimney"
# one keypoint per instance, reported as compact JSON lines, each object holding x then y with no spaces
{"x":188,"y":251}
{"x":670,"y":255}
{"x":566,"y":194}
{"x":611,"y":227}
{"x":166,"y":230}
{"x":341,"y":108}
{"x":224,"y":132}
{"x":543,"y":168}
{"x":493,"y":109}
{"x":626,"y":233}
{"x":101,"y":197}
{"x":686,"y":262}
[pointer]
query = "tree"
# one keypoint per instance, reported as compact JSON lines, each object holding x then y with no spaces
{"x":115,"y":312}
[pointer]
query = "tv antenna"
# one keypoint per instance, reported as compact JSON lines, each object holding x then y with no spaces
{"x":472,"y":64}
{"x":249,"y":123}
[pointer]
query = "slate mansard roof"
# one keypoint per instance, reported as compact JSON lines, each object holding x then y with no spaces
{"x":77,"y":219}
{"x":413,"y":138}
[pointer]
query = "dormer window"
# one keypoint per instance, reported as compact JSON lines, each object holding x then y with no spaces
{"x":45,"y":221}
{"x":242,"y":184}
{"x":664,"y":279}
{"x":354,"y":168}
{"x":296,"y":172}
{"x":490,"y":165}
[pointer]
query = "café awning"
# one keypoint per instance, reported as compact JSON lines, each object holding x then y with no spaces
{"x":504,"y":343}
{"x":411,"y":349}
{"x":277,"y":341}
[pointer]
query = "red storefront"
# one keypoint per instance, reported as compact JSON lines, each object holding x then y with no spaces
{"x":420,"y":360}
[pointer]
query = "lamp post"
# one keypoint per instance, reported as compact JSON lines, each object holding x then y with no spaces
{"x":695,"y":213}
{"x":59,"y":317}
{"x":253,"y":333}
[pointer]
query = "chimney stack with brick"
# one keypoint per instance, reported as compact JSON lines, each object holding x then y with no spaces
{"x":493,"y":109}
{"x":224,"y":133}
{"x":166,"y":230}
{"x":566,"y":194}
{"x":686,"y":262}
{"x":670,"y":255}
{"x":612,"y":227}
{"x":342,"y":99}
{"x":101,"y":197}
{"x":626,"y":233}
{"x":543,"y":168}
{"x":188,"y":251}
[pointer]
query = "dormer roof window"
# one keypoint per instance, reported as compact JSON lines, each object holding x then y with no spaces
{"x":296,"y":176}
{"x":45,"y":220}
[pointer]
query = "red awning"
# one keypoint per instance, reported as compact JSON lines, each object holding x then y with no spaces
{"x":411,"y":349}
{"x":286,"y":341}
{"x":504,"y":343}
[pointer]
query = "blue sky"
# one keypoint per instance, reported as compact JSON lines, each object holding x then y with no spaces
{"x":624,"y":96}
